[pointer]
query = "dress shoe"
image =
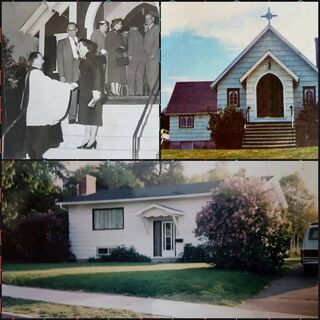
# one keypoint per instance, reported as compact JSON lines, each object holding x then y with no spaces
{"x":83,"y":146}
{"x":92,"y":146}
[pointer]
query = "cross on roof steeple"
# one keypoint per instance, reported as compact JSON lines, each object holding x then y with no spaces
{"x":269,"y":16}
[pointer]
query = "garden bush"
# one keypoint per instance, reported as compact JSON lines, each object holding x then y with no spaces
{"x":195,"y":253}
{"x":40,"y":237}
{"x":125,"y":254}
{"x":242,"y":226}
{"x":227,"y":128}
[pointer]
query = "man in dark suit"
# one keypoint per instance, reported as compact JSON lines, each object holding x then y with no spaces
{"x":99,"y":38}
{"x":137,"y":65}
{"x":151,"y":46}
{"x":68,"y":66}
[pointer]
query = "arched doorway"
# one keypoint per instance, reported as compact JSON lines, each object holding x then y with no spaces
{"x":269,"y":97}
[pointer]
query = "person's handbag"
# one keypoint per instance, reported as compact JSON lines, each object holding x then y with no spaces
{"x":122,"y":61}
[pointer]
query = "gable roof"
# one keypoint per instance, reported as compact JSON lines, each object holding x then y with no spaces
{"x":135,"y":194}
{"x":255,"y":40}
{"x":277,"y":60}
{"x":192,"y":97}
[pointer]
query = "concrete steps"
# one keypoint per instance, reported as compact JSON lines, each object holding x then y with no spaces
{"x":269,"y":135}
{"x":114,"y":139}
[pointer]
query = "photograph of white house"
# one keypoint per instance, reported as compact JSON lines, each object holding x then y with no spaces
{"x":157,"y":221}
{"x":270,"y":80}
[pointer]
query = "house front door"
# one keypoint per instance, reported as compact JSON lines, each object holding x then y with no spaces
{"x":269,"y":97}
{"x":164,"y":239}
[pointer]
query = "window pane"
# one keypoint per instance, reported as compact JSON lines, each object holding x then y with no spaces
{"x":108,"y":219}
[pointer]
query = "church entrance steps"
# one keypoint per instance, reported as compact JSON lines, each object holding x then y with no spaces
{"x":114,"y":139}
{"x":269,"y":135}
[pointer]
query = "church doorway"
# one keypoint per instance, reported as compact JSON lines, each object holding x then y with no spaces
{"x":269,"y":97}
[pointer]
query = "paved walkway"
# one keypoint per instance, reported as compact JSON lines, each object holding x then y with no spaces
{"x":160,"y":307}
{"x":296,"y":293}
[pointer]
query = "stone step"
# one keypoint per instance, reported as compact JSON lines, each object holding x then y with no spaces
{"x":264,"y":146}
{"x":270,"y":139}
{"x":266,"y":124}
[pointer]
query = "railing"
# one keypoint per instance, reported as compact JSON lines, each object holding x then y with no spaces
{"x":292,"y":123}
{"x":149,"y":103}
{"x":248,"y":114}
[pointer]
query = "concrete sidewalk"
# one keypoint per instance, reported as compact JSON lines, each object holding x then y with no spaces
{"x":167,"y":308}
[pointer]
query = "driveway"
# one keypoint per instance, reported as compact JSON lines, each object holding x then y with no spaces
{"x":295,"y":293}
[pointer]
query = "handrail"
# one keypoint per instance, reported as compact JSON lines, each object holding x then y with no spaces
{"x":135,"y":146}
{"x":292,"y":120}
{"x":248,"y":114}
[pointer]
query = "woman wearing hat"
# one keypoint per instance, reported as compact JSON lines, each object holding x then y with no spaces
{"x":115,"y":44}
{"x":90,"y":108}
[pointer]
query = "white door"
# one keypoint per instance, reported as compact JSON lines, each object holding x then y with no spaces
{"x":168,"y":239}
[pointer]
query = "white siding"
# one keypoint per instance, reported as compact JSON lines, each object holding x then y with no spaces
{"x":198,"y":133}
{"x":85,"y":240}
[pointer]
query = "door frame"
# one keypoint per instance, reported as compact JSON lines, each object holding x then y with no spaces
{"x":163,"y":252}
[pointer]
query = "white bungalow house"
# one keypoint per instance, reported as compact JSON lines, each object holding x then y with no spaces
{"x":270,"y":81}
{"x":119,"y":137}
{"x":158,"y":221}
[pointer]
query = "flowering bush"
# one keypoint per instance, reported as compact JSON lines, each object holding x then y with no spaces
{"x":242,"y":226}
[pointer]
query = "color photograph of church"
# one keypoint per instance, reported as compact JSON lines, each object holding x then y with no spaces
{"x":272,"y":82}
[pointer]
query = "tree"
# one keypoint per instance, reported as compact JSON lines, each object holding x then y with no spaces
{"x":153,"y":173}
{"x":28,"y":187}
{"x":219,"y":172}
{"x":242,"y":227}
{"x":301,"y":206}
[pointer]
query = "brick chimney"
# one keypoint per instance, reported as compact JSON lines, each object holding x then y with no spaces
{"x":87,"y":185}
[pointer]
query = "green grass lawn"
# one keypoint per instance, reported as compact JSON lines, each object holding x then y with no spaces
{"x":53,"y":310}
{"x":290,"y":153}
{"x":196,"y":282}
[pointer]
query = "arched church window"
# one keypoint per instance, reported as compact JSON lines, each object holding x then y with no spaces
{"x":233,"y":97}
{"x":309,"y":95}
{"x":186,"y":121}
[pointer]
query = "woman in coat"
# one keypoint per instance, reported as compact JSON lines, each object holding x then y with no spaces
{"x":90,"y":108}
{"x":115,"y":44}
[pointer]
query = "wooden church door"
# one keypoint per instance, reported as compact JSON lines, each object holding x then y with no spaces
{"x":269,"y":97}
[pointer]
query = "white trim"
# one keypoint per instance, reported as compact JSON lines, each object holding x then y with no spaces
{"x":278,"y":61}
{"x":135,"y":199}
{"x":268,"y":27}
{"x":42,"y":36}
{"x":91,"y":16}
{"x":163,"y":208}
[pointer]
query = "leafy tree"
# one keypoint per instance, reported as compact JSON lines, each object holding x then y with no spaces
{"x":242,"y":227}
{"x":153,"y":173}
{"x":29,"y":187}
{"x":301,"y":206}
{"x":219,"y":172}
{"x":227,"y":128}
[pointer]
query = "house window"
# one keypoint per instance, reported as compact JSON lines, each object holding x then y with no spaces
{"x":186,"y":121}
{"x":233,"y":97}
{"x":309,"y":94}
{"x":104,"y":251}
{"x":108,"y":219}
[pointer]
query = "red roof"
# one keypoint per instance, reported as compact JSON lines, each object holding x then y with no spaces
{"x":192,"y":97}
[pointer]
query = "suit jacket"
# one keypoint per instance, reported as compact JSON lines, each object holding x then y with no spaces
{"x":68,"y":67}
{"x":99,"y":39}
{"x":136,"y":46}
{"x":151,"y":42}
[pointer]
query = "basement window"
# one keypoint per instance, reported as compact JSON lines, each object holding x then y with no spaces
{"x":104,"y":252}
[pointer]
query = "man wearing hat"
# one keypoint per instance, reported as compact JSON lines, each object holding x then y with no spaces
{"x":99,"y":38}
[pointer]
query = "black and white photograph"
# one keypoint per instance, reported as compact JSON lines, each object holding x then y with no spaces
{"x":81,"y":80}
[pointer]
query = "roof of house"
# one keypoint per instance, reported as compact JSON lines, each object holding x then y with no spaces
{"x":148,"y":192}
{"x":192,"y":97}
{"x":255,"y":40}
{"x":155,"y":192}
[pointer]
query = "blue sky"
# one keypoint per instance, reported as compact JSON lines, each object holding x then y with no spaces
{"x":199,"y":40}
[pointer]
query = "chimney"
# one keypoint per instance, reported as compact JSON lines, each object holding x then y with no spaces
{"x":87,"y":185}
{"x":317,"y":51}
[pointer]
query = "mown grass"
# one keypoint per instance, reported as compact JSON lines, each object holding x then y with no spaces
{"x":52,"y":310}
{"x":289,"y":153}
{"x":185,"y":282}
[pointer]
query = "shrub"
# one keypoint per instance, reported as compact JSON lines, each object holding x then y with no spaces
{"x":125,"y":254}
{"x":40,"y":237}
{"x":243,"y":227}
{"x":227,"y":128}
{"x":194,"y":253}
